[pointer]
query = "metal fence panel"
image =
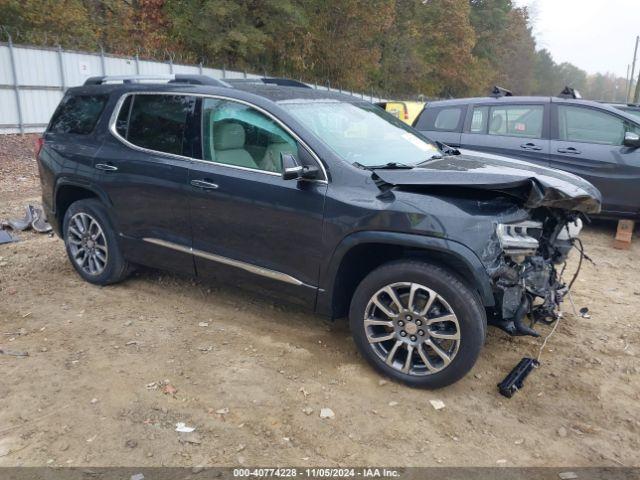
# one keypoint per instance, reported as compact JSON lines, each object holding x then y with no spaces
{"x":119,"y":66}
{"x":37,"y":67}
{"x":36,"y":102}
{"x":78,"y":67}
{"x":9,"y":112}
{"x":5,"y":66}
{"x":33,"y":80}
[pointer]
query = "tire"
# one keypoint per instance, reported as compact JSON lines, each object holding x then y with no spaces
{"x":401,"y":345}
{"x":103,"y":262}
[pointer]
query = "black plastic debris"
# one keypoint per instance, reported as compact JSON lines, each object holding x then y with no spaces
{"x":515,"y":380}
{"x":584,"y":312}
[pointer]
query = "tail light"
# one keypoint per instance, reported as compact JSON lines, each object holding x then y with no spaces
{"x":38,"y":146}
{"x":406,"y":113}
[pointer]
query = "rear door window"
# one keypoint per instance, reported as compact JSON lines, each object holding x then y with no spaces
{"x":156,"y":122}
{"x":517,"y":121}
{"x":78,"y":114}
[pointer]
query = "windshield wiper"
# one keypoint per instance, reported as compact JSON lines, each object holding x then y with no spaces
{"x":386,"y":166}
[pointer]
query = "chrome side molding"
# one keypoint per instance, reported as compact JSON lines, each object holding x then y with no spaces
{"x":263,"y":272}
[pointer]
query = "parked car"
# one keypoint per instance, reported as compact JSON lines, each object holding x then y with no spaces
{"x":631,"y":108}
{"x":405,"y":111}
{"x":595,"y":141}
{"x":323,"y":199}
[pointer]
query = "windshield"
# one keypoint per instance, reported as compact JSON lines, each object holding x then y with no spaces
{"x":635,"y":113}
{"x":362,"y":133}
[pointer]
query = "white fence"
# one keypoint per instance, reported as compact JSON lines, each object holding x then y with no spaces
{"x":33,"y":80}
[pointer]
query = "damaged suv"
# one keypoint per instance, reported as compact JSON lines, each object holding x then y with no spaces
{"x":319,"y":197}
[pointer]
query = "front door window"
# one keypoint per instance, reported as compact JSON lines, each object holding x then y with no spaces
{"x":239,"y":135}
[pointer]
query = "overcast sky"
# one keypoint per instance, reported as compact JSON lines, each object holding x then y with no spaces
{"x":595,"y":35}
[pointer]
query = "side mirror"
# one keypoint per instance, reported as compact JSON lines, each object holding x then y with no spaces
{"x":292,"y":170}
{"x":631,"y":139}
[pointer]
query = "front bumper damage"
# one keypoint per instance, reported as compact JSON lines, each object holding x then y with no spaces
{"x":532,"y":289}
{"x":526,"y":282}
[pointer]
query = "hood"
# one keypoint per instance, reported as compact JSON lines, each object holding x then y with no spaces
{"x":535,"y":186}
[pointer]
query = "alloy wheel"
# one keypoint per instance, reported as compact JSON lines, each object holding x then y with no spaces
{"x":87,"y":243}
{"x":412,"y":329}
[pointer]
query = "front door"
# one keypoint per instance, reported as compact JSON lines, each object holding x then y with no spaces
{"x":589,"y":142}
{"x":145,"y":174}
{"x":249,"y":223}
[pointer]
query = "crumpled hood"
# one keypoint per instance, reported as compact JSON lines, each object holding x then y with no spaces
{"x":536,"y":186}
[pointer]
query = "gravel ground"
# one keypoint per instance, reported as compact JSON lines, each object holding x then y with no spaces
{"x":112,"y":370}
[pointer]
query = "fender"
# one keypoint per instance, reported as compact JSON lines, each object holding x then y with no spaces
{"x":461,"y":253}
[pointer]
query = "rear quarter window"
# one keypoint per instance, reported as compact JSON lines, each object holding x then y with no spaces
{"x":78,"y":114}
{"x":444,"y":119}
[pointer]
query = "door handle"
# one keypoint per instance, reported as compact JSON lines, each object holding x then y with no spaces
{"x":530,"y":146}
{"x":571,"y":150}
{"x":204,"y":184}
{"x":107,"y":167}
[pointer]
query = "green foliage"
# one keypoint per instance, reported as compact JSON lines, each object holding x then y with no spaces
{"x":398,"y":48}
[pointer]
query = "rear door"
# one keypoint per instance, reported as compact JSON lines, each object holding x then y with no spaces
{"x":518,"y":130}
{"x":143,"y":167}
{"x":442,"y":123}
{"x":588,"y":142}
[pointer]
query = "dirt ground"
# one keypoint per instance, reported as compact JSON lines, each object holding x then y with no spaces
{"x":112,"y":370}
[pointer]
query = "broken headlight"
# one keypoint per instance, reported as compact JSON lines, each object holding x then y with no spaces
{"x":519,"y":239}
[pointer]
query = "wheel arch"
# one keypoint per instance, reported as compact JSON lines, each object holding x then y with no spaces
{"x":361,"y":252}
{"x":68,"y":192}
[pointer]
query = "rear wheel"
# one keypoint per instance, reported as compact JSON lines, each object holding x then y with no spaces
{"x":417,"y":323}
{"x":91,"y":243}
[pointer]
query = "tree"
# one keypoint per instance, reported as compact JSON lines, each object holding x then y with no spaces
{"x":64,"y":22}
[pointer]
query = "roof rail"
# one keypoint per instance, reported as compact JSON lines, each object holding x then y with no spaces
{"x":171,"y":78}
{"x":498,"y":92}
{"x":282,"y":82}
{"x":568,"y":92}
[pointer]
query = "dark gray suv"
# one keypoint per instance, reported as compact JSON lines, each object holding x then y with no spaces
{"x":322,"y":199}
{"x":590,"y":139}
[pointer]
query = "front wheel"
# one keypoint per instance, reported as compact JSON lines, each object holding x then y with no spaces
{"x":417,"y":323}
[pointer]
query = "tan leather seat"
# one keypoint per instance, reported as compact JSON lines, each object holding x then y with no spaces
{"x":228,"y":145}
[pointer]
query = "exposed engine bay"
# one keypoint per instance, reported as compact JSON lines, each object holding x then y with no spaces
{"x":525,"y":276}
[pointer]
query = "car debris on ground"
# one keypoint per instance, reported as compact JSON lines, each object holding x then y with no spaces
{"x":34,"y":218}
{"x":13,"y":353}
{"x":6,"y":237}
{"x":327,"y":413}
{"x":183,"y":428}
